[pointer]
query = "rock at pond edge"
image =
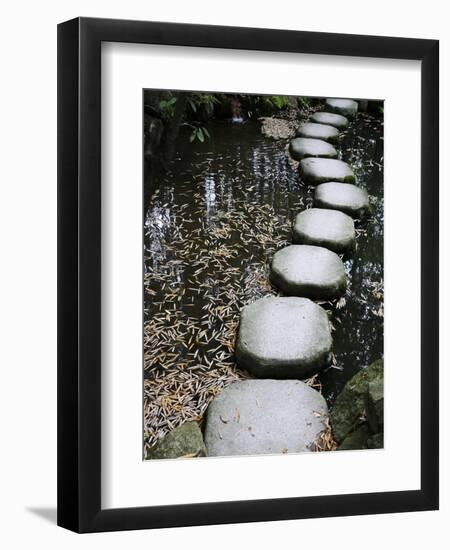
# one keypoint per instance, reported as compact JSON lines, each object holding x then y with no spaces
{"x":186,"y":441}
{"x":350,"y":404}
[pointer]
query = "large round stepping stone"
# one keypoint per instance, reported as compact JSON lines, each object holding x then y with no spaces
{"x":345,"y":197}
{"x":318,"y":170}
{"x":318,"y":131}
{"x":310,"y":271}
{"x":332,"y":119}
{"x":300,"y":148}
{"x":283,"y":338}
{"x":254,"y":417}
{"x":346,"y":107}
{"x":328,"y":228}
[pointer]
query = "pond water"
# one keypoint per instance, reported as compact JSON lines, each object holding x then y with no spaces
{"x":214,"y":221}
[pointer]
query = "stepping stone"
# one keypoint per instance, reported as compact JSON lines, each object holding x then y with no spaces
{"x":317,"y":170}
{"x":328,"y":228}
{"x":283,"y":338}
{"x":345,"y":197}
{"x":300,"y":148}
{"x":332,"y":119}
{"x":346,"y":107}
{"x":254,"y":417}
{"x":318,"y":131}
{"x":310,"y":271}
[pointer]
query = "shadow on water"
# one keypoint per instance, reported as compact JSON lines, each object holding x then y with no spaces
{"x":220,"y":212}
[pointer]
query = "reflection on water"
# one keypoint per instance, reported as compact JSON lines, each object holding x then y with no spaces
{"x":219,"y":213}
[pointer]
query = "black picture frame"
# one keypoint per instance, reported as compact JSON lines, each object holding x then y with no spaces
{"x":79,"y":274}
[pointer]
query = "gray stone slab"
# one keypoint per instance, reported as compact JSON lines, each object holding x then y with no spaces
{"x":332,"y":119}
{"x":300,"y":148}
{"x":346,"y":107}
{"x":318,"y":170}
{"x":254,"y":417}
{"x":310,"y":271}
{"x":346,"y":197}
{"x":318,"y":131}
{"x":328,"y":228}
{"x":283,"y":338}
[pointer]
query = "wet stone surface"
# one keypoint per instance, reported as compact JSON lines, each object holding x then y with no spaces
{"x":309,"y":271}
{"x":328,"y":228}
{"x":346,"y":197}
{"x":264,"y":417}
{"x":346,"y":107}
{"x":332,"y":119}
{"x":283,"y":338}
{"x":317,"y":170}
{"x":318,"y":131}
{"x":300,"y":148}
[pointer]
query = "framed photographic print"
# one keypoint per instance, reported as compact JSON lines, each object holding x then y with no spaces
{"x":248,"y":275}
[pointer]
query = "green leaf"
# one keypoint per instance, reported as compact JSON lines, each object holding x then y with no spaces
{"x":192,"y":105}
{"x":200,"y":135}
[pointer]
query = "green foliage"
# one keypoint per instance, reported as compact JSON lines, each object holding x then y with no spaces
{"x":196,"y":102}
{"x":278,"y":101}
{"x":265,"y":104}
{"x":303,"y":102}
{"x":208,"y":101}
{"x":200,"y":107}
{"x":167,"y":108}
{"x":198,"y":132}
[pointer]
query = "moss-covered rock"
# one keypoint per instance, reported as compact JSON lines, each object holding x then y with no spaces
{"x":186,"y":441}
{"x":375,"y":404}
{"x":376,"y":441}
{"x":349,"y":409}
{"x":356,"y":440}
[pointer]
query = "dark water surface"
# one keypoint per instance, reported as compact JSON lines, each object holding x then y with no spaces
{"x":218,"y":215}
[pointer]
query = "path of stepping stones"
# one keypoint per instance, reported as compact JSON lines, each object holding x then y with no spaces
{"x":289,"y":337}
